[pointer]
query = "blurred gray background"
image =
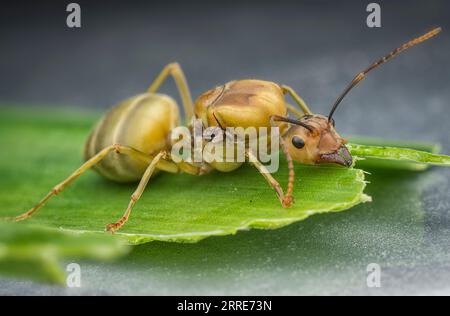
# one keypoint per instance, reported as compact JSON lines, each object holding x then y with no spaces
{"x":314,"y":46}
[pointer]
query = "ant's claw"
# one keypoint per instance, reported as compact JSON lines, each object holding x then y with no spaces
{"x":111,"y":228}
{"x":287,"y":202}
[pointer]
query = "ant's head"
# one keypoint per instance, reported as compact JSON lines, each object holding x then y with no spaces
{"x":313,"y":140}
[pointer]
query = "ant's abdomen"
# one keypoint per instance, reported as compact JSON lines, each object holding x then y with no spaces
{"x":142,"y":122}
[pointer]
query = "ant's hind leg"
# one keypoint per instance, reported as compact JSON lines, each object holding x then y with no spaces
{"x":137,"y":194}
{"x":176,"y":72}
{"x":286,"y":200}
{"x":87,"y":165}
{"x":296,"y":98}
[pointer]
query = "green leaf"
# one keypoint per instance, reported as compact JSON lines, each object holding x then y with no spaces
{"x":398,"y":157}
{"x":374,"y":162}
{"x":324,"y":255}
{"x":375,"y":141}
{"x":44,"y":147}
{"x":35,"y":252}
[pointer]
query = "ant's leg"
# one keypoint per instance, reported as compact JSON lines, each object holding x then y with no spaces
{"x":165,"y":165}
{"x":192,"y":169}
{"x":175,"y":71}
{"x":292,"y":109}
{"x":296,"y":98}
{"x":286,"y":200}
{"x":137,"y":194}
{"x":291,"y":178}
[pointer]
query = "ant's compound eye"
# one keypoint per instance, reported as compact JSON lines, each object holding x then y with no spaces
{"x":298,"y":142}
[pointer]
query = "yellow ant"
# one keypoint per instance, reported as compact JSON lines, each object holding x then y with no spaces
{"x":132,"y":140}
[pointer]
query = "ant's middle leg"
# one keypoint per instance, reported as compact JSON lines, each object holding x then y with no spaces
{"x":285,"y":199}
{"x":184,"y":167}
{"x":137,"y":193}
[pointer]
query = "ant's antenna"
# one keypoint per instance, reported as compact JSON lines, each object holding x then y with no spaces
{"x":277,"y":118}
{"x":359,"y":77}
